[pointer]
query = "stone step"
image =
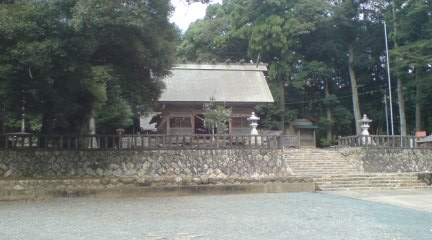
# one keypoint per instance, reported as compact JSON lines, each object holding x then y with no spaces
{"x":306,"y":157}
{"x":331,"y":171}
{"x":369,"y":181}
{"x":320,"y":167}
{"x":321,"y":164}
{"x":324,"y":170}
{"x":324,"y":157}
{"x":317,"y":179}
{"x":366,"y":186}
{"x":310,"y":159}
{"x":321,"y":159}
{"x":309,"y":155}
{"x":371,"y":188}
{"x":370,"y":184}
{"x":318,"y":173}
{"x":317,"y":168}
{"x":382,"y":180}
{"x":382,"y":184}
{"x":411,"y":174}
{"x":316,"y":163}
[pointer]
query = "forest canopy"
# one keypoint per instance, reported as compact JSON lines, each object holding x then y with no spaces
{"x":327,"y":59}
{"x":68,"y":61}
{"x":71,"y":63}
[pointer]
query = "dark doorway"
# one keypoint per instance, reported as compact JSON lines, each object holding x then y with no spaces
{"x":199,"y":127}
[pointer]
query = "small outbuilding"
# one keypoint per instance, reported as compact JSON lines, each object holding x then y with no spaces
{"x":305,"y":130}
{"x":425,"y":142}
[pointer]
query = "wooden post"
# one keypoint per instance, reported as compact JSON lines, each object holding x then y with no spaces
{"x":314,"y":137}
{"x":299,"y":138}
{"x":168,"y":124}
{"x":193,"y":122}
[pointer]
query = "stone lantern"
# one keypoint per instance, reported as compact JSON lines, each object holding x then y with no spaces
{"x":365,"y":124}
{"x":365,"y":127}
{"x":254,"y":123}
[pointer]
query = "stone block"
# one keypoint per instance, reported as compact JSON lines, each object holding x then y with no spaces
{"x":3,"y":167}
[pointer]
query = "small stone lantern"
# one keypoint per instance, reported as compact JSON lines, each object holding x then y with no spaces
{"x":365,"y":124}
{"x":254,"y":123}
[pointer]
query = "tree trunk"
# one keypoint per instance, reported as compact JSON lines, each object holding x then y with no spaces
{"x":92,"y":124}
{"x":328,"y":114}
{"x":47,"y":128}
{"x":92,"y":131}
{"x":400,"y":88}
{"x":47,"y":124}
{"x":418,"y":115}
{"x":354,"y":88}
{"x":401,"y":98}
{"x":2,"y":125}
{"x":282,"y":105}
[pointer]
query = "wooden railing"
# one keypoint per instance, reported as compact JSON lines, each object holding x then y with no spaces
{"x":153,"y":141}
{"x":290,"y":141}
{"x":378,"y":141}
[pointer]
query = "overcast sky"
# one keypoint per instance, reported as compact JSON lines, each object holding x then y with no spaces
{"x":185,"y":13}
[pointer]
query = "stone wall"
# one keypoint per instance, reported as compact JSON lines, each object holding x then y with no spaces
{"x":176,"y":166}
{"x":390,"y":160}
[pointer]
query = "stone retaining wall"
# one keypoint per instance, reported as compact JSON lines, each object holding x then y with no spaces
{"x":40,"y":174}
{"x":31,"y":189}
{"x":389,"y":160}
{"x":158,"y":164}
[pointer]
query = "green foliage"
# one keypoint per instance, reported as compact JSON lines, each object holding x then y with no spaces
{"x":306,"y":46}
{"x":412,"y":59}
{"x":324,"y":142}
{"x":270,"y":114}
{"x":343,"y":119}
{"x":204,"y":41}
{"x":216,"y":117}
{"x":114,"y":112}
{"x":62,"y":58}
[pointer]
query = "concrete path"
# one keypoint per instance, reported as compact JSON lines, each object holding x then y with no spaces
{"x":420,"y":199}
{"x":284,"y":216}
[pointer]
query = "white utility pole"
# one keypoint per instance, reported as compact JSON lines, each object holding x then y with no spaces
{"x":389,"y":82}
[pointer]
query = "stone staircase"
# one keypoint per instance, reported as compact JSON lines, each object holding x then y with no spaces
{"x":369,"y":181}
{"x":318,"y":162}
{"x":332,"y":171}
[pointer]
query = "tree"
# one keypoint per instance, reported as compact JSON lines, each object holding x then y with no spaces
{"x":204,"y":40}
{"x":326,"y":58}
{"x":115,"y":112}
{"x":41,"y":62}
{"x":275,"y":31}
{"x":318,"y":75}
{"x":54,"y":53}
{"x":395,"y":6}
{"x":216,"y":117}
{"x":413,"y":52}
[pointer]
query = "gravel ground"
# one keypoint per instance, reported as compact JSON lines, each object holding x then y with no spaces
{"x":251,"y":216}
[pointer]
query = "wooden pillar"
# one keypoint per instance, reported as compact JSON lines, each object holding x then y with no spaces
{"x":192,"y":117}
{"x":299,"y":137}
{"x":168,"y":124}
{"x":193,"y":122}
{"x":314,"y":137}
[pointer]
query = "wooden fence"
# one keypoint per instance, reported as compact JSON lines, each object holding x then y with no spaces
{"x":152,"y":141}
{"x":378,"y":141}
